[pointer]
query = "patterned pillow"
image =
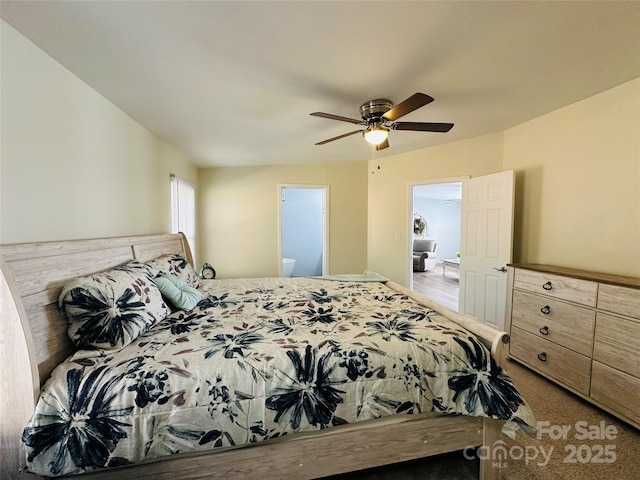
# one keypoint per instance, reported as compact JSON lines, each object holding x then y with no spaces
{"x":111,"y":309}
{"x":175,"y":265}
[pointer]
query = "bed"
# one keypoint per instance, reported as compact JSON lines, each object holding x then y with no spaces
{"x":270,"y":378}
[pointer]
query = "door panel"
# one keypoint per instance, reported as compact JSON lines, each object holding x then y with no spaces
{"x":486,"y":245}
{"x":467,"y":296}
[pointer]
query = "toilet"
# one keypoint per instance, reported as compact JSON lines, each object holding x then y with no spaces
{"x":287,"y":266}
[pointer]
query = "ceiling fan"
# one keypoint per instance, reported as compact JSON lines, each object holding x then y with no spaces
{"x":379,"y":116}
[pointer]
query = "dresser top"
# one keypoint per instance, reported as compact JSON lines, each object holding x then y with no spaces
{"x":631,"y":282}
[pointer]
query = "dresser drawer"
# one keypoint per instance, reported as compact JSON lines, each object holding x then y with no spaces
{"x":617,"y":343}
{"x":559,"y":363}
{"x":622,"y":300}
{"x":575,"y":290}
{"x":567,"y":325}
{"x":617,"y":390}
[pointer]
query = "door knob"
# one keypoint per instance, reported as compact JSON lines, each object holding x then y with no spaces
{"x":501,"y":269}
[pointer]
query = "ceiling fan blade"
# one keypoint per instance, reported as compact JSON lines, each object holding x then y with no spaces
{"x":338,"y":137}
{"x":412,"y":103}
{"x":383,"y":145}
{"x":423,"y":126}
{"x":337,"y":117}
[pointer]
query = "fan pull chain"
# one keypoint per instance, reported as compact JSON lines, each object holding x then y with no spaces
{"x":373,"y":158}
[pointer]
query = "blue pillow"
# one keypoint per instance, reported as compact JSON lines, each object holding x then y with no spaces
{"x":177,"y":292}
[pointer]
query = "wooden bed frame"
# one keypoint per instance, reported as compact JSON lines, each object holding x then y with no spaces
{"x":33,"y":341}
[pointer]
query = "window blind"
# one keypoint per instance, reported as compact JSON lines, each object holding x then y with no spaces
{"x":183,"y":210}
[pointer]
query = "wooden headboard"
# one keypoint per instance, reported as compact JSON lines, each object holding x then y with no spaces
{"x":36,"y":272}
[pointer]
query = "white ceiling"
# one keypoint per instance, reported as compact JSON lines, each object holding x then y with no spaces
{"x":233,"y":83}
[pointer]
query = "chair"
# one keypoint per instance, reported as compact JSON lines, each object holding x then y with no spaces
{"x":424,"y":254}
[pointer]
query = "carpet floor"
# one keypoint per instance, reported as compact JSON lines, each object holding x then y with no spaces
{"x":581,"y":441}
{"x":576,"y":441}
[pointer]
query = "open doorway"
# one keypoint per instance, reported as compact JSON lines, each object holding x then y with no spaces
{"x":437,"y":206}
{"x":303,"y":230}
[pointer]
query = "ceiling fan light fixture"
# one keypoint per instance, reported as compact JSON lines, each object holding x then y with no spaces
{"x":376,"y":134}
{"x":379,"y":116}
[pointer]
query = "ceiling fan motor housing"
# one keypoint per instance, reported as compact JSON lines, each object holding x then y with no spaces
{"x":374,"y":109}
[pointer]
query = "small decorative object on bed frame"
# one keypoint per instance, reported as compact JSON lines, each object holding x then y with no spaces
{"x":251,"y":378}
{"x":207,"y":272}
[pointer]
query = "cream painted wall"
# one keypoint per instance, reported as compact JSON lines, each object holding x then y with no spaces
{"x":239,"y":216}
{"x":390,"y":194}
{"x":578,"y":184}
{"x":73,"y":165}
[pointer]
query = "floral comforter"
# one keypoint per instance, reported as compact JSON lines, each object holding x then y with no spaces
{"x":259,"y":359}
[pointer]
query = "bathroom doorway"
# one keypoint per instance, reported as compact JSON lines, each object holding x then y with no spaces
{"x":303,"y":230}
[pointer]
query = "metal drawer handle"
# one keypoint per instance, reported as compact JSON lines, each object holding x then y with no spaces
{"x":544,"y":330}
{"x":546,"y":309}
{"x":542,"y":356}
{"x":547,"y":286}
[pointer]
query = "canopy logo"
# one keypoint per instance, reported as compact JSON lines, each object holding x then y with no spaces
{"x":499,"y":453}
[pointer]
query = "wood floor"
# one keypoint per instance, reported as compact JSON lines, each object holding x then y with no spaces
{"x":436,"y":286}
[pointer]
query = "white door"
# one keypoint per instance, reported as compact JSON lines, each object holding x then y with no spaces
{"x":486,"y":246}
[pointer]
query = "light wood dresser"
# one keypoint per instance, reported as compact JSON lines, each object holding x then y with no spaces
{"x":580,"y":329}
